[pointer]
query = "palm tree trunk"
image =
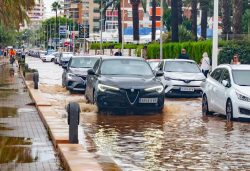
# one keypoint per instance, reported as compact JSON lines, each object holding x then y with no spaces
{"x":237,"y":16}
{"x":153,"y":20}
{"x":226,"y":14}
{"x":204,"y":14}
{"x":119,"y":22}
{"x":194,"y":18}
{"x":135,"y":12}
{"x":180,"y":19}
{"x":174,"y":21}
{"x":56,"y":28}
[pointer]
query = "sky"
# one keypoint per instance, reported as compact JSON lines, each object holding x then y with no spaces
{"x":48,"y":12}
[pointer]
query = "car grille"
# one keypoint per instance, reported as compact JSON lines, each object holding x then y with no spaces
{"x":244,"y":111}
{"x":132,"y":95}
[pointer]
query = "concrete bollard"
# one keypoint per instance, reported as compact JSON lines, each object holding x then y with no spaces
{"x":35,"y":79}
{"x":73,"y":110}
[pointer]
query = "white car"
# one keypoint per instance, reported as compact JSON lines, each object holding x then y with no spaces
{"x":50,"y":57}
{"x":227,"y":91}
{"x":181,"y":78}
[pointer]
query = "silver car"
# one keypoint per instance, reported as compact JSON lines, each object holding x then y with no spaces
{"x":182,"y":78}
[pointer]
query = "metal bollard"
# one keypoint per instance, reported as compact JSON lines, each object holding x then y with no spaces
{"x":73,"y":110}
{"x":26,"y":66}
{"x":35,"y":79}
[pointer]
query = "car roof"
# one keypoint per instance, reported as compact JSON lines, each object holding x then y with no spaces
{"x":180,"y":60}
{"x":122,"y":57}
{"x":154,"y":60}
{"x":235,"y":67}
{"x":87,"y":56}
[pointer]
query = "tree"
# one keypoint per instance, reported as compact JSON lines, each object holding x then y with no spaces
{"x":194,"y":18}
{"x":226,"y":16}
{"x":174,"y":21}
{"x":12,"y":13}
{"x":135,"y":10}
{"x":56,"y":6}
{"x":180,"y":12}
{"x":204,"y":14}
{"x":153,"y":20}
{"x":237,"y":16}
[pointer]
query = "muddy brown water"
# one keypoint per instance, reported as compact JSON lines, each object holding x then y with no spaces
{"x":179,"y":138}
{"x":8,"y":112}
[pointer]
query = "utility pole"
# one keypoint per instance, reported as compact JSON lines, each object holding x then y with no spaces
{"x":101,"y":29}
{"x":123,"y":6}
{"x":215,"y":34}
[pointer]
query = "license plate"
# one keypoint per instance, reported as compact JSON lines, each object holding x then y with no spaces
{"x":148,"y":100}
{"x":187,"y":89}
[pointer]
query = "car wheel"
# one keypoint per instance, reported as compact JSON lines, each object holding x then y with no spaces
{"x":205,"y":109}
{"x":99,"y":109}
{"x":52,"y":60}
{"x":229,"y":110}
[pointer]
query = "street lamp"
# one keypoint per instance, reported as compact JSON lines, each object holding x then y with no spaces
{"x":123,"y":6}
{"x":215,"y":34}
{"x":101,"y":29}
{"x":161,"y":29}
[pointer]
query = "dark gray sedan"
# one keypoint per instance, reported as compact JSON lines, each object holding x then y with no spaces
{"x":74,"y":74}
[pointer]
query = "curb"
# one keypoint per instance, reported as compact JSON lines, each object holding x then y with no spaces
{"x":73,"y":156}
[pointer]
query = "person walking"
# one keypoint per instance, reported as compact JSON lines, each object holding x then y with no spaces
{"x":205,"y":64}
{"x":235,"y":60}
{"x":183,"y":54}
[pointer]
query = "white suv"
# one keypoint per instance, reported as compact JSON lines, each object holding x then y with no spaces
{"x":227,"y":91}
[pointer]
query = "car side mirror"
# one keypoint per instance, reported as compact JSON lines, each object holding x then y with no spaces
{"x":91,"y":72}
{"x":64,"y":66}
{"x":159,"y":73}
{"x":225,"y":83}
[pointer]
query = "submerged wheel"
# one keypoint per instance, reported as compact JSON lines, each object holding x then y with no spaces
{"x":229,"y":110}
{"x":205,"y":109}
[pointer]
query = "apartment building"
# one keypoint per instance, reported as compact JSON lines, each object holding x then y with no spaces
{"x":36,"y":15}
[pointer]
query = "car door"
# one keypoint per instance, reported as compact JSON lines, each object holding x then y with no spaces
{"x":222,"y":91}
{"x":91,"y":79}
{"x":212,"y":87}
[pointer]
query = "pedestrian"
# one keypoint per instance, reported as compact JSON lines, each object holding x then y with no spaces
{"x":23,"y":55}
{"x":235,"y":60}
{"x":118,"y":53}
{"x":205,"y":64}
{"x":183,"y":54}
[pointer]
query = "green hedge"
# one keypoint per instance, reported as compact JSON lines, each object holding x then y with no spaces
{"x":172,"y":50}
{"x":242,"y":48}
{"x":107,"y":45}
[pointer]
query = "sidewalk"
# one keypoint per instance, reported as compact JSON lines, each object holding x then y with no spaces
{"x":24,"y":142}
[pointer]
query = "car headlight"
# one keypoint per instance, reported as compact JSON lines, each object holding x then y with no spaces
{"x":242,"y":97}
{"x":158,"y":89}
{"x":103,"y":87}
{"x":71,"y":76}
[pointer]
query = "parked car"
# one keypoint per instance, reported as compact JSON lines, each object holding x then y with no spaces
{"x":182,"y":78}
{"x":154,"y":63}
{"x":64,"y":58}
{"x":50,"y":57}
{"x":227,"y":91}
{"x":75,"y":73}
{"x":124,"y":83}
{"x":41,"y":53}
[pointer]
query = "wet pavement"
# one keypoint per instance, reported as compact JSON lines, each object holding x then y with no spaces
{"x":24,"y":142}
{"x":179,"y":138}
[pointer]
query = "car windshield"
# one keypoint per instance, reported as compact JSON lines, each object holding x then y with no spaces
{"x":126,"y":67}
{"x":241,"y":77}
{"x":181,"y":66}
{"x":83,"y":62}
{"x":153,"y":64}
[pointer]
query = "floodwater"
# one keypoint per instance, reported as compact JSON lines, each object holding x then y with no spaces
{"x":179,"y":138}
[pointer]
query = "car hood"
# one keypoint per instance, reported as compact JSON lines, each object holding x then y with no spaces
{"x":245,"y":90}
{"x":127,"y":82}
{"x":79,"y":71}
{"x":184,"y":76}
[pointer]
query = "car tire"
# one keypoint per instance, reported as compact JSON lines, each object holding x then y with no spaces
{"x":229,"y":110}
{"x":205,"y":108}
{"x":52,"y":60}
{"x":99,"y":109}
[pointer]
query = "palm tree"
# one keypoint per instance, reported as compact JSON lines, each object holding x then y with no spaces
{"x":237,"y":16}
{"x":56,"y":6}
{"x":194,"y":18}
{"x":135,"y":13}
{"x":153,"y":20}
{"x":12,"y":13}
{"x":204,"y":4}
{"x":226,"y":16}
{"x":180,"y":5}
{"x":174,"y":21}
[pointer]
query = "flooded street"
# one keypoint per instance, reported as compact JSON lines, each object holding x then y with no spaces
{"x":179,"y":138}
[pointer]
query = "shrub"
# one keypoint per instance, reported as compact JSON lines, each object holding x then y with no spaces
{"x":242,"y":48}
